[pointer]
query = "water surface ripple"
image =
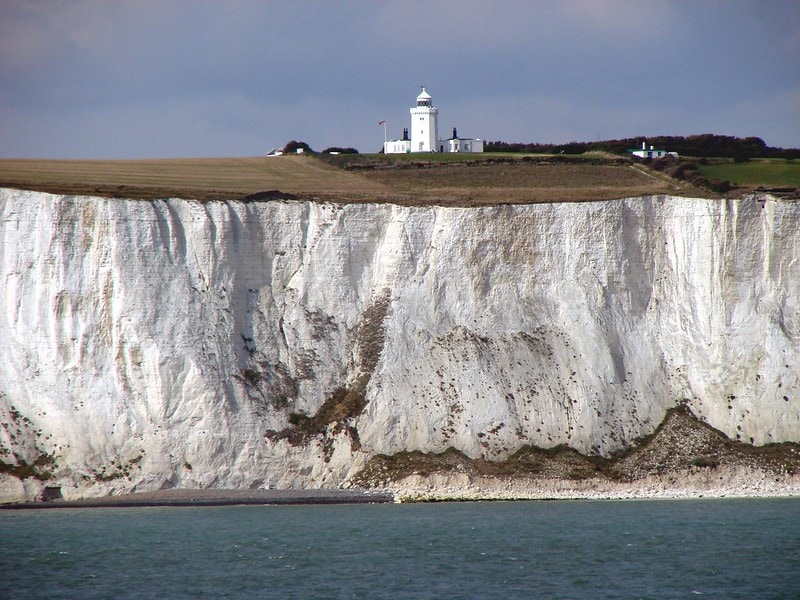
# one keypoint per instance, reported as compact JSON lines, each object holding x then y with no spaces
{"x":724,"y":548}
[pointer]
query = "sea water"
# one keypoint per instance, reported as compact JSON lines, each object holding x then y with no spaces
{"x":726,"y":548}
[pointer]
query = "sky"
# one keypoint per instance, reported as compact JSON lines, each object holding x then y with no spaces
{"x":171,"y":78}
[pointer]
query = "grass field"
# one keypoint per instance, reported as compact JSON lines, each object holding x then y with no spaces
{"x":492,"y":178}
{"x":757,"y":172}
{"x":485,"y":182}
{"x":442,"y":179}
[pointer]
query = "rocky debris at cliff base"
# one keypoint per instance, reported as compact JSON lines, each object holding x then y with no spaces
{"x":683,"y":457}
{"x":724,"y":482}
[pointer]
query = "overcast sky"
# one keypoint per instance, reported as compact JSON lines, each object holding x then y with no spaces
{"x":137,"y":79}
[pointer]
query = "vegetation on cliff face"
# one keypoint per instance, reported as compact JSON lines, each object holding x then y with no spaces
{"x":27,"y":459}
{"x":38,"y":469}
{"x":346,"y":402}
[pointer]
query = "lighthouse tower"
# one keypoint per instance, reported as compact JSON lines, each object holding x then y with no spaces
{"x":424,"y":128}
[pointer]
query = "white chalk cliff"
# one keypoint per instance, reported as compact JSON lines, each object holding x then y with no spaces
{"x":150,"y":344}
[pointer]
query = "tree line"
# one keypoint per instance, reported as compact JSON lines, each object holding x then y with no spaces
{"x":703,"y":145}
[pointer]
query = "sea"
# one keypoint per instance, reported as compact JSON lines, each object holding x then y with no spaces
{"x":711,"y":548}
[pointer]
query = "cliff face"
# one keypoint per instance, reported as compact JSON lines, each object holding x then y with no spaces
{"x":150,"y":344}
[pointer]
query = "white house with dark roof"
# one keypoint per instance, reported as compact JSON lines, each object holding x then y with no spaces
{"x":459,"y":144}
{"x":424,"y":133}
{"x":651,"y":152}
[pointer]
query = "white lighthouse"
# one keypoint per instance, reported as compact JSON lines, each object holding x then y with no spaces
{"x":425,"y":133}
{"x":424,"y":126}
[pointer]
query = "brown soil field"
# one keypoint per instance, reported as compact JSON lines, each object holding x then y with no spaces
{"x":194,"y":178}
{"x":420,"y":181}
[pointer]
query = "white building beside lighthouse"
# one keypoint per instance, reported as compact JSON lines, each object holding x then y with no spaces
{"x":425,"y":133}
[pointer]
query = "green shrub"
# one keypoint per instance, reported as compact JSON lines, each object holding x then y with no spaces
{"x":298,"y":419}
{"x":251,"y":376}
{"x":294,"y":145}
{"x":338,"y":150}
{"x":720,"y":185}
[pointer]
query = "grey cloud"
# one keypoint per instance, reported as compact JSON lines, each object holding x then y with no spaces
{"x":209,"y":78}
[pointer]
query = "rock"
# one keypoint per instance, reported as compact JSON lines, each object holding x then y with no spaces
{"x":154,"y":344}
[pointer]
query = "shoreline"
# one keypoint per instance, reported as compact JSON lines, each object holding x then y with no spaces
{"x":442,"y":488}
{"x":422,"y":497}
{"x":723,"y":482}
{"x":198,"y":498}
{"x":214,"y":497}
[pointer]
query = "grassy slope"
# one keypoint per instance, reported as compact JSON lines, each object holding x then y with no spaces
{"x":763,"y":172}
{"x":448,"y":179}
